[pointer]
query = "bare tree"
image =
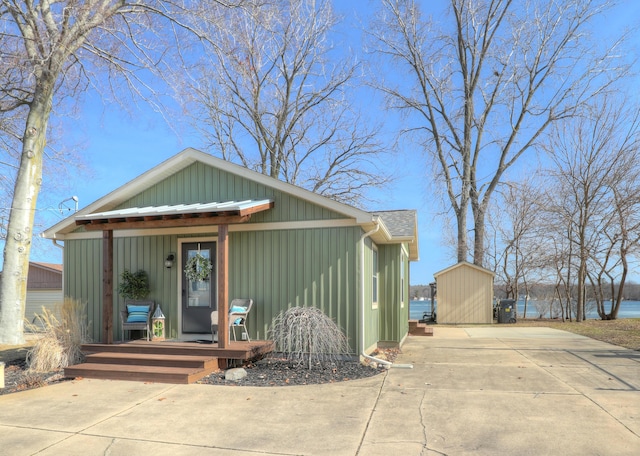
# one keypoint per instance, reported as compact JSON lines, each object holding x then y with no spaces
{"x":481,"y":88}
{"x":515,"y":224}
{"x":51,"y":52}
{"x":594,"y":156}
{"x":619,"y":241}
{"x":273,"y":94}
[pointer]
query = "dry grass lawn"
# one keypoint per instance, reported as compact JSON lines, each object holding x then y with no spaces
{"x":623,"y":332}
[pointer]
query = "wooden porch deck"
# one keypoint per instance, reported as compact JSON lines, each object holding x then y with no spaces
{"x":162,"y":361}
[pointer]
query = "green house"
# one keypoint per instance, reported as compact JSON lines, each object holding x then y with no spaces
{"x":270,"y":241}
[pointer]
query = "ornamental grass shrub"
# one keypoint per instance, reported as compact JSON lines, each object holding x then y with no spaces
{"x":62,"y":332}
{"x":305,"y":335}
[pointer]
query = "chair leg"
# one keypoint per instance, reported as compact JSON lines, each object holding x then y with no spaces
{"x":246,"y":332}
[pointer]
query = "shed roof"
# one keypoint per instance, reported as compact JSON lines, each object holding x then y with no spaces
{"x":236,"y":207}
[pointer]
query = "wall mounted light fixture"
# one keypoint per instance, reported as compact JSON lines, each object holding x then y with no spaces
{"x":168,"y":263}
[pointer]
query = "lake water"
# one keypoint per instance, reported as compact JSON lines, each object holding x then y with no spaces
{"x":628,"y":309}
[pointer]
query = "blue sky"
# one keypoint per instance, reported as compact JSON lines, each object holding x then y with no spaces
{"x":117,"y":147}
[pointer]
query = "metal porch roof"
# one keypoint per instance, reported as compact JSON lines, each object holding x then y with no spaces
{"x":175,"y":212}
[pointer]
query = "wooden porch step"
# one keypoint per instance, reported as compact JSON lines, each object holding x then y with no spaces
{"x":141,"y":373}
{"x":161,"y":362}
{"x":419,"y":329}
{"x":236,"y":350}
{"x":146,"y":359}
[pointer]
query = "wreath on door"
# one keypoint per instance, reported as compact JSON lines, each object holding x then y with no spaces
{"x":198,"y":268}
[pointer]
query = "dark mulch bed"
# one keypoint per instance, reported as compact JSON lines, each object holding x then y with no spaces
{"x":273,"y":371}
{"x":18,"y":378}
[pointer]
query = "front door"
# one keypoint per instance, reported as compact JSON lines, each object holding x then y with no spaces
{"x":198,"y":296}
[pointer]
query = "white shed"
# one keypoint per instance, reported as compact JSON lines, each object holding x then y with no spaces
{"x":465,"y":294}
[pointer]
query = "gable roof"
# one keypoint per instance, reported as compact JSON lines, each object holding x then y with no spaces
{"x":467,"y":265}
{"x":398,"y":223}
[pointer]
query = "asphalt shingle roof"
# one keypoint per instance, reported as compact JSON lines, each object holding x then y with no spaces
{"x":401,"y":223}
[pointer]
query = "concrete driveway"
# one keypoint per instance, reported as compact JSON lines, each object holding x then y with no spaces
{"x":499,"y":390}
{"x":505,"y":390}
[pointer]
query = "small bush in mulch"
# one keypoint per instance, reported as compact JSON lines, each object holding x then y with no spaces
{"x":305,"y":335}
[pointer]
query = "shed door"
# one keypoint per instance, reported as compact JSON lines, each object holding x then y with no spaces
{"x":198,"y":296}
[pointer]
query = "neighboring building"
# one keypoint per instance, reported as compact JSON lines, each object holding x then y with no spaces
{"x":44,"y":288}
{"x":465,"y":294}
{"x":276,"y":243}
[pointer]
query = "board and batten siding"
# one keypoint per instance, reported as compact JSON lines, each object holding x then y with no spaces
{"x":315,"y":265}
{"x":279,"y":269}
{"x":394,"y":303}
{"x":199,"y":183}
{"x":83,"y":276}
{"x":371,"y":311}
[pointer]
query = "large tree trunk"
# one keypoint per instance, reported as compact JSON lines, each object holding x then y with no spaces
{"x":17,"y":248}
{"x":479,"y":228}
{"x":461,"y":217}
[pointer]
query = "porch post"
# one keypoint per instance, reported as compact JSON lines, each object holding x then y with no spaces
{"x":223,"y":286}
{"x":107,"y":286}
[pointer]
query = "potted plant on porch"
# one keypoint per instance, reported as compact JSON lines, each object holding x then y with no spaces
{"x":134,"y":285}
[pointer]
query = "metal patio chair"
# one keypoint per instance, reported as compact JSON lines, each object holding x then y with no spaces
{"x":238,"y":313}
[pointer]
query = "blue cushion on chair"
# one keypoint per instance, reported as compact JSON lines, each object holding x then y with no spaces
{"x":137,"y":314}
{"x":238,"y":309}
